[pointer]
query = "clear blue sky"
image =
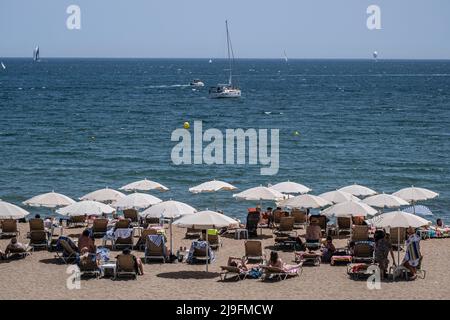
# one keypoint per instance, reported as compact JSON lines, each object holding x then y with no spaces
{"x":195,"y":28}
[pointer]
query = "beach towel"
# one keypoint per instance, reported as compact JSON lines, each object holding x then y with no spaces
{"x":412,"y":255}
{"x":199,"y":245}
{"x":122,"y":233}
{"x":103,"y":254}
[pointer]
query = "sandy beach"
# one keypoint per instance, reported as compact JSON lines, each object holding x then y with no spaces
{"x":41,"y":276}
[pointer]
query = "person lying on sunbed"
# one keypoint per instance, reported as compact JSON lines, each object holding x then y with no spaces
{"x":275,"y":261}
{"x":14,"y":246}
{"x":413,"y":256}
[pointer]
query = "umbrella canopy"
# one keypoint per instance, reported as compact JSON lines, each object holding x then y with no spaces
{"x":385,"y":201}
{"x":290,"y":187}
{"x":87,"y":207}
{"x":49,"y":200}
{"x":144,"y":185}
{"x":358,"y":190}
{"x":206,"y":220}
{"x":305,"y":201}
{"x":136,"y":201}
{"x":168,"y":209}
{"x":212,"y":186}
{"x":338,"y":196}
{"x":398,"y":219}
{"x":11,"y":211}
{"x":419,"y":210}
{"x":415,"y":194}
{"x":103,"y":195}
{"x":258,"y":194}
{"x":350,"y":208}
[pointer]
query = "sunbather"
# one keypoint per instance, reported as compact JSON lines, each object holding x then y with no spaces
{"x":275,"y":261}
{"x":413,"y":256}
{"x":137,"y":262}
{"x":328,"y":250}
{"x":14,"y":245}
{"x":86,"y":241}
{"x":313,"y":234}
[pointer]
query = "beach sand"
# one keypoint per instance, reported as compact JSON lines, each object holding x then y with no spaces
{"x":41,"y":276}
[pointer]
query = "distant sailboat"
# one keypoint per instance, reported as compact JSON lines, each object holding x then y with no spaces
{"x":3,"y":66}
{"x":285,"y":56}
{"x":228,"y":90}
{"x":36,"y":54}
{"x":210,"y":60}
{"x":375,"y":55}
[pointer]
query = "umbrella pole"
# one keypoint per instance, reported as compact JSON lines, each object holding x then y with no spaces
{"x":398,"y":249}
{"x":215,"y":202}
{"x":207,"y":250}
{"x":171,"y":239}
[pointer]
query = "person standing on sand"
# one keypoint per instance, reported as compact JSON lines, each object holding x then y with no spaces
{"x":382,"y":248}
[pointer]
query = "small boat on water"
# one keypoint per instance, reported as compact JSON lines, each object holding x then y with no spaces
{"x":197,"y":83}
{"x":3,"y":66}
{"x":229,"y":90}
{"x":36,"y":56}
{"x":285,"y":57}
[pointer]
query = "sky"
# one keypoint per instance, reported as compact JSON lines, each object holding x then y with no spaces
{"x":410,"y":29}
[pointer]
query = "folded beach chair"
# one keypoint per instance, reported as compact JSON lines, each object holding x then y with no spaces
{"x":155,"y":248}
{"x":359,"y":233}
{"x":66,"y":252}
{"x":191,"y":232}
{"x":89,"y":266}
{"x":275,"y":273}
{"x":21,"y":252}
{"x":300,"y":218}
{"x":286,"y":226}
{"x":253,"y":251}
{"x":126,"y":266}
{"x":77,"y":221}
{"x":9,"y":228}
{"x":132,"y":215}
{"x":232,"y":271}
{"x":123,"y":238}
{"x":36,"y":224}
{"x":344,"y":224}
{"x":363,"y":251}
{"x":38,"y":239}
{"x":99,"y":228}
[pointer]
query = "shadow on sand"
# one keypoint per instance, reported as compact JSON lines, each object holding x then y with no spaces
{"x":188,"y":275}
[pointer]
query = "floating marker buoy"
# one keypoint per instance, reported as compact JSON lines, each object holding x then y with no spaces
{"x":186,"y":125}
{"x":296,"y":133}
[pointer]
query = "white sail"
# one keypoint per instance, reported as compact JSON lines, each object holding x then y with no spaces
{"x":36,"y":54}
{"x":3,"y":66}
{"x":285,"y":56}
{"x":375,"y":55}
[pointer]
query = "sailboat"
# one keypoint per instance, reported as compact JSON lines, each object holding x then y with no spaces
{"x":375,"y":55}
{"x":285,"y":56}
{"x":228,"y":90}
{"x":3,"y":66}
{"x":36,"y":54}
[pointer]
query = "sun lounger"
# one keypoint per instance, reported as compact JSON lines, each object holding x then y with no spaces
{"x":343,"y":224}
{"x":233,"y":271}
{"x":270,"y":273}
{"x":140,"y":245}
{"x":191,"y":232}
{"x":38,"y":239}
{"x":286,"y":227}
{"x":36,"y":224}
{"x":9,"y":228}
{"x":132,"y":215}
{"x":77,"y":221}
{"x":21,"y":252}
{"x":358,"y":271}
{"x":197,"y":253}
{"x":300,"y":218}
{"x":125,"y":266}
{"x":155,"y":248}
{"x":360,"y":233}
{"x":89,"y":266}
{"x":123,"y":238}
{"x":363,"y":251}
{"x":303,"y":258}
{"x":99,"y":228}
{"x":66,"y":252}
{"x":122,"y":224}
{"x":396,"y":234}
{"x":253,"y":251}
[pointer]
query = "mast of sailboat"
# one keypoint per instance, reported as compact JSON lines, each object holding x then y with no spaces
{"x":230,"y":54}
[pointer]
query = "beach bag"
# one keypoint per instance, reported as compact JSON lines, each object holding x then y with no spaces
{"x":254,"y":273}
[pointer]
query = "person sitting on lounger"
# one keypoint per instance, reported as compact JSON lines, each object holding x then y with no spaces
{"x":14,"y":245}
{"x":413,"y":256}
{"x":275,"y":261}
{"x":313,"y":233}
{"x":139,"y":267}
{"x":86,"y":241}
{"x":238,"y":263}
{"x":85,"y":255}
{"x":382,"y":248}
{"x":328,"y":250}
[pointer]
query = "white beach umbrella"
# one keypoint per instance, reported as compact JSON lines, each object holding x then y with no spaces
{"x":49,"y":200}
{"x":289,"y":187}
{"x":144,"y":185}
{"x":338,"y":196}
{"x":350,"y":209}
{"x":204,"y":220}
{"x":258,"y":194}
{"x":168,"y":210}
{"x":385,"y":201}
{"x":11,"y":211}
{"x":415,"y":194}
{"x":103,"y":195}
{"x":212,"y":186}
{"x":419,"y":209}
{"x":136,"y":201}
{"x":86,"y":207}
{"x":358,"y":190}
{"x":305,"y":201}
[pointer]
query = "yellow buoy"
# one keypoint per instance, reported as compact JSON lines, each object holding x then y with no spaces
{"x":186,"y":125}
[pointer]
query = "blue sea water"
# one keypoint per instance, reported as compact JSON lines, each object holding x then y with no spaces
{"x":77,"y":125}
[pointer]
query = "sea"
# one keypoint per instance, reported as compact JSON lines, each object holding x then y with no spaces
{"x":77,"y":125}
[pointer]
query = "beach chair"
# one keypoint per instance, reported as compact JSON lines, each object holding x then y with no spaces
{"x":360,"y":233}
{"x":396,"y":234}
{"x":99,"y":228}
{"x":277,"y":215}
{"x":151,"y":221}
{"x":38,"y":239}
{"x":140,"y":244}
{"x":122,"y":224}
{"x":9,"y":228}
{"x":214,"y":241}
{"x":153,"y":251}
{"x":124,"y":242}
{"x":132,"y":215}
{"x":300,"y":218}
{"x":363,"y":251}
{"x":343,"y":224}
{"x":67,"y":254}
{"x":36,"y":224}
{"x":231,"y":271}
{"x":308,"y":257}
{"x":253,"y":251}
{"x":76,"y":221}
{"x":252,"y":223}
{"x":191,"y":232}
{"x":125,"y":266}
{"x":286,"y":227}
{"x":322,"y":220}
{"x":89,"y":266}
{"x":275,"y":273}
{"x":21,"y":252}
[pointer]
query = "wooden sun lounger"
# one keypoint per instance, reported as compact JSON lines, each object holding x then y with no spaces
{"x":270,"y":273}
